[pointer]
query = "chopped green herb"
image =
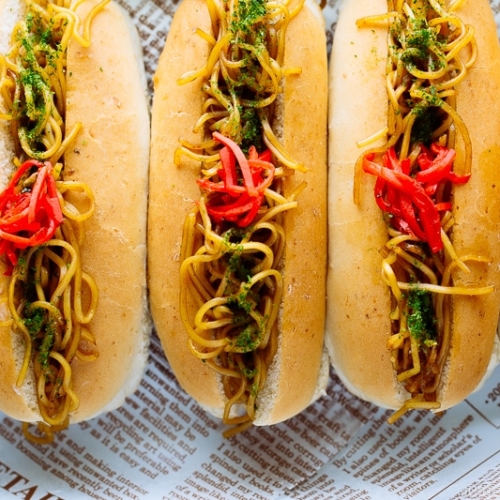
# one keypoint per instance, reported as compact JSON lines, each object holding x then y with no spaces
{"x":421,"y":318}
{"x":33,"y":320}
{"x":249,"y":12}
{"x":248,"y":339}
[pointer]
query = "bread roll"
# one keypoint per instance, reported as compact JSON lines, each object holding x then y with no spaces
{"x":300,"y":123}
{"x":359,"y":301}
{"x":105,"y":93}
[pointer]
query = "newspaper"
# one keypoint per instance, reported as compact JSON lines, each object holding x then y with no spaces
{"x":161,"y":445}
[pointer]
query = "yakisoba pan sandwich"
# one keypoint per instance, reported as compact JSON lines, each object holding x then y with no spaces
{"x":75,"y":148}
{"x":237,"y":214}
{"x":413,"y":287}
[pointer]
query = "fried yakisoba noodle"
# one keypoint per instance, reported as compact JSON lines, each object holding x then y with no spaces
{"x":430,"y":161}
{"x":51,"y":298}
{"x":236,"y":262}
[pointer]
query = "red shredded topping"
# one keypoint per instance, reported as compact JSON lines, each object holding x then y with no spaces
{"x":411,"y":199}
{"x":237,"y":198}
{"x":28,"y":217}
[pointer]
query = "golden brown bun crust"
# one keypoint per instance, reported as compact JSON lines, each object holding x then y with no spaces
{"x":106,"y":93}
{"x":11,"y":399}
{"x":304,"y":122}
{"x":173,"y":190}
{"x":358,"y":302}
{"x":477,"y":211}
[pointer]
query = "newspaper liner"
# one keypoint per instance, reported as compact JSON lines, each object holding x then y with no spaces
{"x":162,"y":445}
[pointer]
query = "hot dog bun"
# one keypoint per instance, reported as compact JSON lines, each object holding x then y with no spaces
{"x":105,"y":92}
{"x":299,"y":361}
{"x":359,"y":302}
